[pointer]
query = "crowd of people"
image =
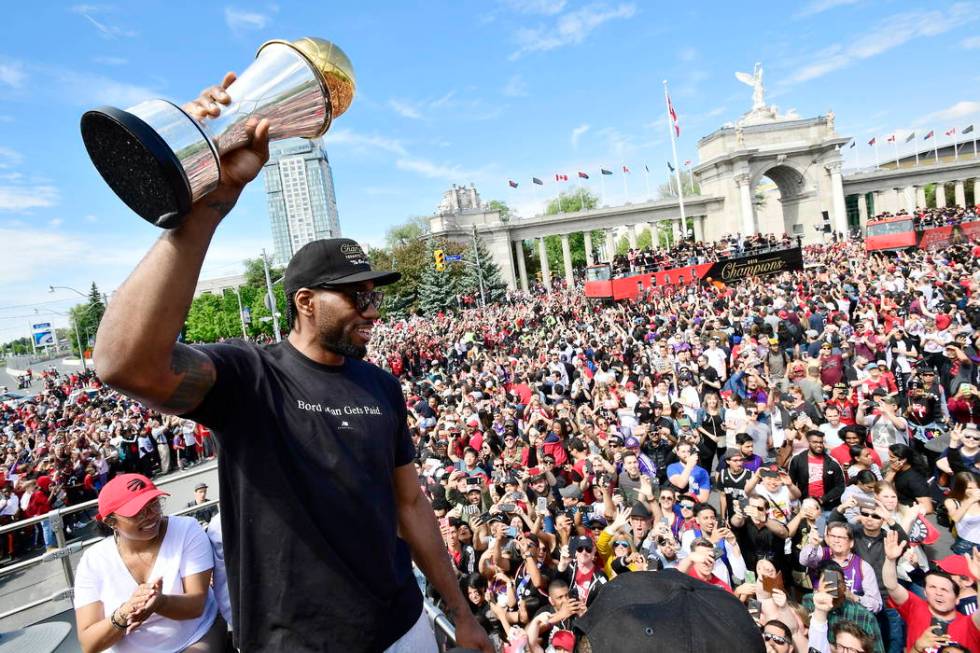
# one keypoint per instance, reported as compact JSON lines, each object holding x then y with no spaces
{"x":807,"y":442}
{"x":693,"y":252}
{"x":924,"y":218}
{"x":64,"y":442}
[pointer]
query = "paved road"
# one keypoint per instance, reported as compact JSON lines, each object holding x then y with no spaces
{"x":45,"y":579}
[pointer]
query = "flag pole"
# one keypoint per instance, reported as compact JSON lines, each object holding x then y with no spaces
{"x":602,"y":187}
{"x":626,"y":188}
{"x":558,"y":183}
{"x":956,"y":147}
{"x":673,"y":147}
{"x":895,"y":148}
{"x":877,"y":164}
{"x":646,"y":175}
{"x":935,"y":146}
{"x":916,"y":148}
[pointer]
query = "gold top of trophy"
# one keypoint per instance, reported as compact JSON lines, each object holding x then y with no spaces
{"x":333,"y":66}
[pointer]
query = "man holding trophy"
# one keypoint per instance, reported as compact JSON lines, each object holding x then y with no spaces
{"x":320,"y":501}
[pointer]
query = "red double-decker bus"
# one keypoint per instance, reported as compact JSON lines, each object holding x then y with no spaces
{"x":899,"y":232}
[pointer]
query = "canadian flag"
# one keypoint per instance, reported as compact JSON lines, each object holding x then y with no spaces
{"x":673,"y":117}
{"x":951,"y":132}
{"x":873,"y":140}
{"x":891,"y":139}
{"x":561,"y":177}
{"x":626,"y":169}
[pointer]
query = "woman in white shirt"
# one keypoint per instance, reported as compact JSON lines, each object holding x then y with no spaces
{"x":147,"y":587}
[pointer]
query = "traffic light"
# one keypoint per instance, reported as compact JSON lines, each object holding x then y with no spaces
{"x":440,"y":258}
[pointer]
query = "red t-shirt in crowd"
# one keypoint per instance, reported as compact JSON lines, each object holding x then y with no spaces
{"x":917,"y":618}
{"x":714,"y":580}
{"x":815,"y":469}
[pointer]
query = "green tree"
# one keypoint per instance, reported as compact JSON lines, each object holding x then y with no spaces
{"x":669,"y":190}
{"x":580,"y":199}
{"x":501,"y":208}
{"x":255,"y":272}
{"x":494,"y":287}
{"x":571,"y":202}
{"x":438,"y":291}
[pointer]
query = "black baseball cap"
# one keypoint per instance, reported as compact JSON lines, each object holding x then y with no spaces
{"x":332,"y":261}
{"x":653,"y":611}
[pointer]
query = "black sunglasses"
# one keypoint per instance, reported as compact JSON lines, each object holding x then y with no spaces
{"x":778,"y":639}
{"x":362,"y":299}
{"x":870,"y":514}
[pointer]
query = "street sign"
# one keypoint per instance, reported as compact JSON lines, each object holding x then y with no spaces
{"x":454,"y":257}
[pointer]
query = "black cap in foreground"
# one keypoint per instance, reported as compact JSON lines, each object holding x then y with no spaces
{"x":332,"y":261}
{"x":653,"y":611}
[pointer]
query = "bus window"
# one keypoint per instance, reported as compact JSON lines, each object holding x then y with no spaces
{"x":598,"y":273}
{"x":888,"y":228}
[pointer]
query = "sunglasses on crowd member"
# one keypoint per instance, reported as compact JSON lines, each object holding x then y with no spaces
{"x":970,"y":436}
{"x":581,"y":548}
{"x":776,"y":639}
{"x":621,"y":543}
{"x":687,"y":504}
{"x":870,"y":514}
{"x":363,"y":299}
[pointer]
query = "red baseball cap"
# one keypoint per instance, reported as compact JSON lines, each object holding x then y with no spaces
{"x":564,"y":640}
{"x":956,"y":565}
{"x":126,"y":495}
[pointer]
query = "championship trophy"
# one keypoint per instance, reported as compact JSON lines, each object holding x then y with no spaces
{"x":159,"y":160}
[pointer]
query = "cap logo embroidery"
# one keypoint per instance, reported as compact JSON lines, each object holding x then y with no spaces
{"x":353,"y":253}
{"x":135,"y":485}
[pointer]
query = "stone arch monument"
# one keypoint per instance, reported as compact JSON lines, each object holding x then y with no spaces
{"x":801,"y":156}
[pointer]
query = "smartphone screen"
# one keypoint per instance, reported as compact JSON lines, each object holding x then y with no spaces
{"x":542,"y":505}
{"x":750,"y":577}
{"x":939,"y":626}
{"x":828,"y":583}
{"x":443,"y":522}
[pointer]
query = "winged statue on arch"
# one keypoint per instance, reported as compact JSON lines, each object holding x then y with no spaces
{"x":758,"y":90}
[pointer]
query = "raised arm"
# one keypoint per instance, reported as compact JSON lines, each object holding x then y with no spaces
{"x":136,"y":349}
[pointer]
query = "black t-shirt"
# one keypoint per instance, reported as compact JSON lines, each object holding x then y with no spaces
{"x":308,"y":509}
{"x":909,"y":486}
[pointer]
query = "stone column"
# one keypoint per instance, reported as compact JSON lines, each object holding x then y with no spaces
{"x":744,"y":182}
{"x":838,"y":205}
{"x":877,"y":197}
{"x":631,"y":235}
{"x":898,"y":200}
{"x":699,"y":227}
{"x":545,"y":272}
{"x":908,"y":198}
{"x":920,"y":196}
{"x":521,"y":264}
{"x":678,"y":228}
{"x":976,"y":190}
{"x":610,"y":244}
{"x":566,"y":256}
{"x":863,"y":208}
{"x":940,"y":195}
{"x":959,"y":192}
{"x":589,"y":259}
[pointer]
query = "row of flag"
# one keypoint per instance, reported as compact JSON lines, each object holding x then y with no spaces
{"x":908,"y":139}
{"x":560,"y":177}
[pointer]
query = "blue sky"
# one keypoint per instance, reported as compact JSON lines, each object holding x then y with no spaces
{"x":448,"y":92}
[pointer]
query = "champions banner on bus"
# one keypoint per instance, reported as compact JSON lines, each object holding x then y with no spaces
{"x":736,"y":269}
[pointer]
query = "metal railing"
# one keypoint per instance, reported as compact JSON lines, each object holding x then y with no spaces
{"x":65,"y":550}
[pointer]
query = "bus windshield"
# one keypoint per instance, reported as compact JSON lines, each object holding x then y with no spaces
{"x":887,"y":228}
{"x":597,"y":273}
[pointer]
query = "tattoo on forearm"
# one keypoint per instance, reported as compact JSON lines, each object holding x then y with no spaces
{"x":197,"y":376}
{"x":220,"y":207}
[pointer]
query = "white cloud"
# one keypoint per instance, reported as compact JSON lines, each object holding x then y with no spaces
{"x":889,"y":33}
{"x":240,"y":20}
{"x":444,"y":101}
{"x":405,"y":109}
{"x":55,"y":222}
{"x":10,"y":158}
{"x":12,"y":74}
{"x":819,"y":6}
{"x":956,"y":111}
{"x":102,"y":26}
{"x":432,"y":170}
{"x":515,"y":86}
{"x":971,"y":43}
{"x":687,"y":54}
{"x":110,"y":61}
{"x":89,"y":89}
{"x":25,"y":197}
{"x":578,"y":132}
{"x":357,"y":141}
{"x":544,"y":7}
{"x":570,"y":28}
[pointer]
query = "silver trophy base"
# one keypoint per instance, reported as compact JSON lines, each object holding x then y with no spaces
{"x":154,"y":156}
